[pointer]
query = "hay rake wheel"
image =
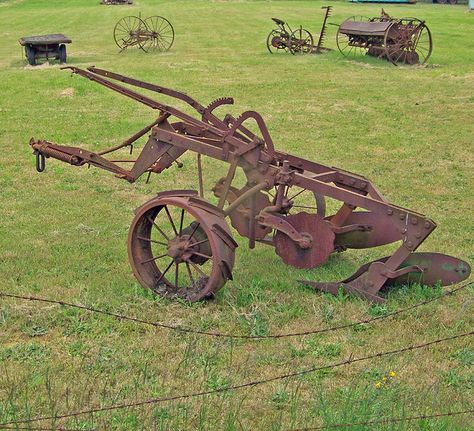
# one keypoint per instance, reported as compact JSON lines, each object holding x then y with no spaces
{"x":128,"y":31}
{"x":408,"y":41}
{"x":160,"y":33}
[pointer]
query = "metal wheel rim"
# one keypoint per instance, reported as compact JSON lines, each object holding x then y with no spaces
{"x":342,"y":40}
{"x":123,"y":31}
{"x":296,"y":47}
{"x":397,"y":52}
{"x":162,"y":33}
{"x":159,"y":273}
{"x":274,"y":49}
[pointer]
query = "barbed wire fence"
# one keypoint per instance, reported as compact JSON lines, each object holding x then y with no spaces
{"x":387,"y":421}
{"x":167,"y":326}
{"x":351,"y":360}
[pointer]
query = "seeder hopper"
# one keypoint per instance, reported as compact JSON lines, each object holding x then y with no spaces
{"x":180,"y":243}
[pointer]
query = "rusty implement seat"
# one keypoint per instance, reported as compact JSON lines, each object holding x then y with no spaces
{"x":362,"y":28}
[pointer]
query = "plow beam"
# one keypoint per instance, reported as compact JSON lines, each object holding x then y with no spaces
{"x":73,"y":155}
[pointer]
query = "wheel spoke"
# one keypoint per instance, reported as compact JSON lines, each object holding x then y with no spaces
{"x":205,"y":256}
{"x":194,"y":231}
{"x":189,"y":273}
{"x":165,"y":271}
{"x":199,"y":242}
{"x":151,"y":240}
{"x":157,"y":227}
{"x":153,"y":258}
{"x":197,"y":268}
{"x":297,"y":194}
{"x":176,"y":276}
{"x":171,"y":220}
{"x":181,"y":222}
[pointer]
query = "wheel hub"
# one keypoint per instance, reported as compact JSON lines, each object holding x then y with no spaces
{"x":180,"y":248}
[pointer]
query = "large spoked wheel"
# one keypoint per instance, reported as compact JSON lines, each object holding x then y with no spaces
{"x":277,"y":41}
{"x":352,"y":46}
{"x":130,"y":31}
{"x":301,"y":42}
{"x":408,"y":41}
{"x":160,"y":34}
{"x":301,"y":199}
{"x":178,"y":249}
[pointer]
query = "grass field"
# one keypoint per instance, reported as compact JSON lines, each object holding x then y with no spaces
{"x":63,"y":233}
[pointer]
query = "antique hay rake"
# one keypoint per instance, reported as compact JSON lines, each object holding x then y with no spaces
{"x":154,"y":33}
{"x":180,"y":244}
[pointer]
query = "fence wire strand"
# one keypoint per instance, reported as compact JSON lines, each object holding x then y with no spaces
{"x":234,"y":336}
{"x":254,"y":383}
{"x":386,"y":421}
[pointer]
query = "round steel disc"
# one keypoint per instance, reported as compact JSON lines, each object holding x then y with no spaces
{"x":322,"y":241}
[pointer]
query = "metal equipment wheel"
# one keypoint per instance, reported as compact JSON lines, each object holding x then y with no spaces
{"x":344,"y":42}
{"x":160,"y":33}
{"x":62,"y":53}
{"x":129,"y":32}
{"x":181,"y":246}
{"x":305,"y":200}
{"x":30,"y":55}
{"x":408,"y":41}
{"x":301,"y":42}
{"x":277,"y":41}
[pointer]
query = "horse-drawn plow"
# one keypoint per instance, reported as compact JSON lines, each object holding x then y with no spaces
{"x":180,"y":243}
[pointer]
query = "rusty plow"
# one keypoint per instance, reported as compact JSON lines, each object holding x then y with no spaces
{"x":180,"y":243}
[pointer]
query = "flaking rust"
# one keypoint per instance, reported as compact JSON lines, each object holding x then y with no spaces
{"x":180,"y":243}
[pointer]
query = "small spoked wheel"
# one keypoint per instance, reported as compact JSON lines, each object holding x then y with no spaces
{"x":130,"y":32}
{"x":301,"y":42}
{"x":278,"y":41}
{"x":178,"y":249}
{"x":160,"y":33}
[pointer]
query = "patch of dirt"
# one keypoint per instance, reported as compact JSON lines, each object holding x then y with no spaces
{"x":67,"y":92}
{"x":44,"y":65}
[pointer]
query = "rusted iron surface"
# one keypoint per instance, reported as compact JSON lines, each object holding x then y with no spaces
{"x":299,"y":41}
{"x":180,"y":244}
{"x":154,"y":33}
{"x":405,"y":40}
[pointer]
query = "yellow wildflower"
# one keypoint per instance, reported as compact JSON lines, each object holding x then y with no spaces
{"x":393,"y":373}
{"x":378,"y":385}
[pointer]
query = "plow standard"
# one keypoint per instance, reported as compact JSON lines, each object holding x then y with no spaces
{"x":180,"y":243}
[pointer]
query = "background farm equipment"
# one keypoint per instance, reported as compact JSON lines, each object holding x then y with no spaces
{"x":116,"y":2}
{"x":180,"y":243}
{"x":153,"y":33}
{"x":404,"y":40}
{"x":49,"y":46}
{"x":299,"y":41}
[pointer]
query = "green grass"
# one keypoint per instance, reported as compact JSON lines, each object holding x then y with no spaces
{"x":63,"y":233}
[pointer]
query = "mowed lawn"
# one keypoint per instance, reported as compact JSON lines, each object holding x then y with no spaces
{"x":63,"y":233}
